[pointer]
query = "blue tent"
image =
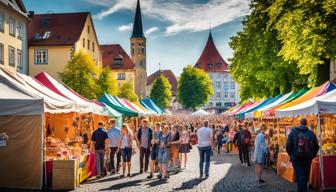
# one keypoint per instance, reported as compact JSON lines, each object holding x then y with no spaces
{"x":147,"y":102}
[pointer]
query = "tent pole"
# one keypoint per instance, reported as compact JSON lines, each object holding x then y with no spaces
{"x":320,"y":151}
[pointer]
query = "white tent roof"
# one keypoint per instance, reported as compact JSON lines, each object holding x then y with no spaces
{"x":200,"y":113}
{"x":14,"y":101}
{"x":53,"y":102}
{"x":324,"y":104}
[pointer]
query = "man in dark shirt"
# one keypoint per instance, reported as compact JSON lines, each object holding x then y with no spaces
{"x":301,"y":137}
{"x":144,"y":139}
{"x":99,"y":137}
{"x":236,"y":141}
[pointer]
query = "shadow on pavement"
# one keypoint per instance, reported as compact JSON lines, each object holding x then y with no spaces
{"x":190,"y":184}
{"x":122,"y":185}
{"x":157,"y":182}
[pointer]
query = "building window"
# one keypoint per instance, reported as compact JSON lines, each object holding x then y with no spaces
{"x":132,"y":51}
{"x":88,"y":28}
{"x":88,"y":44}
{"x":19,"y":60}
{"x":232,"y":95}
{"x":93,"y":46}
{"x":143,"y":50}
{"x":1,"y":53}
{"x":218,"y":104}
{"x":41,"y":56}
{"x":83,"y":42}
{"x":226,"y":95}
{"x":11,"y":26}
{"x":117,"y":61}
{"x":19,"y":29}
{"x":121,"y":76}
{"x":232,"y":84}
{"x":225,"y":76}
{"x":217,"y":84}
{"x":218,"y":95}
{"x":2,"y":21}
{"x":11,"y":56}
{"x":226,"y":86}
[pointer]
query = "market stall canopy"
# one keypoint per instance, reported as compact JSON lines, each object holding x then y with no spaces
{"x":149,"y":103}
{"x":324,"y":104}
{"x":15,"y":101}
{"x":53,"y":103}
{"x":240,"y":108}
{"x":200,"y":112}
{"x":249,"y":114}
{"x":110,"y":101}
{"x":84,"y":104}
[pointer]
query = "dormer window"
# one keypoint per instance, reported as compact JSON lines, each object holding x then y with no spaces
{"x":218,"y":64}
{"x":45,"y":22}
{"x":210,"y":66}
{"x":118,"y":60}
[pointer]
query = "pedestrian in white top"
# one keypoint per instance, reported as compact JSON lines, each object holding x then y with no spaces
{"x":204,"y":135}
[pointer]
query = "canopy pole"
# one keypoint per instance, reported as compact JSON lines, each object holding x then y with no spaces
{"x":321,"y":150}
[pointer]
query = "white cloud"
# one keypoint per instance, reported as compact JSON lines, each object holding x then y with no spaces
{"x":124,"y":28}
{"x":182,"y":16}
{"x":151,"y":30}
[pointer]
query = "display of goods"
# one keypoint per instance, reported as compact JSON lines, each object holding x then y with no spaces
{"x":329,"y":148}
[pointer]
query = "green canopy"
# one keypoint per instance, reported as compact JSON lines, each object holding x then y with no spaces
{"x":107,"y":99}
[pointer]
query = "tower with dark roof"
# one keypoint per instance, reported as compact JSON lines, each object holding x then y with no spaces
{"x":138,"y":52}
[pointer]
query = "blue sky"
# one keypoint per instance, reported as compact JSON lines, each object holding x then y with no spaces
{"x":176,"y":30}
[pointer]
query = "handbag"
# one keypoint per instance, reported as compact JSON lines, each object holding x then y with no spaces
{"x":189,"y":145}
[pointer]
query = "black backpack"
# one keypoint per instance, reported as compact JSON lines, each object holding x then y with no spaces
{"x":303,"y":143}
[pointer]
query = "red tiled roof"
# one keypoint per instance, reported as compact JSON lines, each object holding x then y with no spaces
{"x":168,"y":74}
{"x":211,"y":60}
{"x":116,"y":52}
{"x":64,"y":28}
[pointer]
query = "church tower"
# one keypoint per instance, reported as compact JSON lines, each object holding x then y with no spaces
{"x":138,"y":53}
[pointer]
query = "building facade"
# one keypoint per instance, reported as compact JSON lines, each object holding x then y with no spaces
{"x":54,"y":38}
{"x":139,"y":54}
{"x":13,"y":35}
{"x":121,"y":65}
{"x":225,"y":88}
{"x":332,"y":70}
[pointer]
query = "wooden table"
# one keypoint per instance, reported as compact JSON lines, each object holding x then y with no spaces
{"x":315,"y":180}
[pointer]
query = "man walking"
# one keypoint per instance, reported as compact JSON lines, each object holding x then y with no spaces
{"x":204,"y":135}
{"x":99,"y":136}
{"x":245,"y":144}
{"x":302,"y":147}
{"x":114,"y":136}
{"x":155,"y":148}
{"x":236,"y":141}
{"x":144,"y":139}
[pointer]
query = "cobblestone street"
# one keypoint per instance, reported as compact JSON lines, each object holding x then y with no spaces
{"x":226,"y":174}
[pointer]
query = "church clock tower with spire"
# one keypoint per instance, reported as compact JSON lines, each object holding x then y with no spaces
{"x":138,"y":53}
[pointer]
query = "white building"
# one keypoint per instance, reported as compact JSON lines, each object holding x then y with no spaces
{"x":225,"y":88}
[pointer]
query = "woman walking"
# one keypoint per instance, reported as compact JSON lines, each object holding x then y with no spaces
{"x":260,"y":152}
{"x":125,"y":147}
{"x":164,"y":152}
{"x":184,"y":147}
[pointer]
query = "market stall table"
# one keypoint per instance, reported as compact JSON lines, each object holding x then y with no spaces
{"x":329,"y":163}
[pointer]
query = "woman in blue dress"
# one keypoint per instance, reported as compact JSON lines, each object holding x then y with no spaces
{"x":260,"y":150}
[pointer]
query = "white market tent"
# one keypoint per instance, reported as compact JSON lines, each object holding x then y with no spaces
{"x":200,"y":112}
{"x":324,"y":104}
{"x":21,"y":119}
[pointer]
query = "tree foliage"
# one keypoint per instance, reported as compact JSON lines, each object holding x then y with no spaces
{"x":161,"y":91}
{"x":126,"y":91}
{"x":107,"y":83}
{"x":194,"y":88}
{"x":307,"y":30}
{"x":80,"y":74}
{"x":256,"y":65}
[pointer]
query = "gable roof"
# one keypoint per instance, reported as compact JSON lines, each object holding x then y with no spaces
{"x":17,"y":5}
{"x":168,"y":74}
{"x":137,"y":26}
{"x":210,"y":59}
{"x":64,"y":28}
{"x":113,"y":52}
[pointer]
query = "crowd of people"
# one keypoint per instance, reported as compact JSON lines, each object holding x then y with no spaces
{"x":165,"y":146}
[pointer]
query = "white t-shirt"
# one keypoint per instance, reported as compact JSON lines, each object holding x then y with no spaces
{"x":204,"y":135}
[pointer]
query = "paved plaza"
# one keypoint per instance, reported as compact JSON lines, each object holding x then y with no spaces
{"x":226,"y":174}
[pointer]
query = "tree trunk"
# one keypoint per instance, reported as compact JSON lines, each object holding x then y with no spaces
{"x":323,"y":72}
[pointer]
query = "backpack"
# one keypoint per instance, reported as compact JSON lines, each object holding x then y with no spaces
{"x":303,"y":145}
{"x":244,"y":138}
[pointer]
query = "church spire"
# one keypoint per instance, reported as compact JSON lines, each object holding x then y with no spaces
{"x":137,"y":27}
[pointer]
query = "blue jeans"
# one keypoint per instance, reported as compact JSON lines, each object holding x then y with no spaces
{"x":302,"y":172}
{"x":204,"y":151}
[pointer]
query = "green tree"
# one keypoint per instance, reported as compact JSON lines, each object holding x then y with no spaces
{"x":161,"y":91}
{"x":307,"y":30}
{"x":126,"y":91}
{"x":256,"y":65}
{"x":80,"y":74}
{"x":107,"y":83}
{"x":194,"y":88}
